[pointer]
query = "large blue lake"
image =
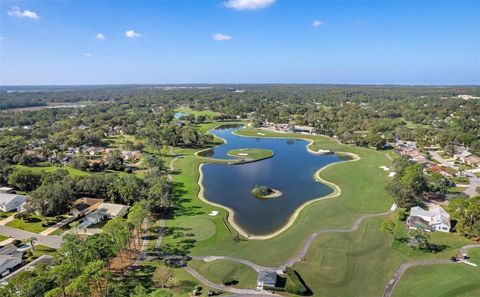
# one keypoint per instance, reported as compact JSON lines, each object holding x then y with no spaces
{"x":291,"y":171}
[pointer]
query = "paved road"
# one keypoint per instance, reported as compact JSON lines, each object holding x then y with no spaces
{"x":53,"y":241}
{"x":463,"y":250}
{"x":234,"y":259}
{"x":441,"y":160}
{"x":242,"y":292}
{"x":404,"y":267}
{"x":474,"y":184}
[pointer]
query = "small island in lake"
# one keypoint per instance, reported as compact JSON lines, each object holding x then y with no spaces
{"x":265,"y":192}
{"x":251,"y":154}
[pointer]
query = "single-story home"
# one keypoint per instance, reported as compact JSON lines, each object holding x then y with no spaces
{"x":445,"y":171}
{"x":433,"y":219}
{"x":303,"y":129}
{"x":131,"y":155}
{"x":105,"y":211}
{"x":9,"y":202}
{"x":461,"y":155}
{"x":85,"y":205}
{"x":9,"y":249}
{"x":472,"y":161}
{"x":8,"y":262}
{"x":93,"y":150}
{"x":266,"y":279}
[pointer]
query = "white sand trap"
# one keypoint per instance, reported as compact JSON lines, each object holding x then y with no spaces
{"x":243,"y":154}
{"x":213,"y":213}
{"x":392,"y":174}
{"x":385,"y":168}
{"x":258,"y":133}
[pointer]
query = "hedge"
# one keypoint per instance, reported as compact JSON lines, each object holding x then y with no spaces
{"x":294,"y":283}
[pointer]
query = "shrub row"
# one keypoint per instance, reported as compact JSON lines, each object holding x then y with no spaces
{"x":294,"y":284}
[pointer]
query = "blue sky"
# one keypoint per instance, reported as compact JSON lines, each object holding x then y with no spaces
{"x":239,"y":41}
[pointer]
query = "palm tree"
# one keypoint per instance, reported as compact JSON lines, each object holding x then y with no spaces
{"x":31,"y":240}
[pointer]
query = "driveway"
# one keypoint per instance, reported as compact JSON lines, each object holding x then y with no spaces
{"x":474,"y":184}
{"x":53,"y":241}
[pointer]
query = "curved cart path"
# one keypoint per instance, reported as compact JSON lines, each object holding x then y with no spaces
{"x":242,"y":292}
{"x":404,"y":267}
{"x":306,"y":245}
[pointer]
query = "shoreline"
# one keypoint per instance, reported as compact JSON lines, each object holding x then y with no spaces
{"x":231,"y":218}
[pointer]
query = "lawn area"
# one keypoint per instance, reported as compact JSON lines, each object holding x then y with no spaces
{"x":455,"y":190}
{"x":207,"y":113}
{"x":354,"y":200}
{"x":3,"y":237}
{"x":337,"y":264}
{"x":181,"y":284}
{"x":350,"y":264}
{"x":71,"y":171}
{"x":251,"y":154}
{"x":443,"y":280}
{"x":33,"y":225}
{"x":220,"y":270}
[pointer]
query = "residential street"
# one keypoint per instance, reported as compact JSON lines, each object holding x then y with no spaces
{"x":53,"y":241}
{"x":473,"y":179}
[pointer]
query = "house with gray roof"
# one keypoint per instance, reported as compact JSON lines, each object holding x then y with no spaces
{"x":9,"y":202}
{"x":266,"y":279}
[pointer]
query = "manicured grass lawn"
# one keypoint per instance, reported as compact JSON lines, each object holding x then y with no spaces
{"x":350,"y":264}
{"x":251,"y":153}
{"x":202,"y":228}
{"x":339,"y":264}
{"x":354,"y":200}
{"x":34,"y":225}
{"x":443,"y":280}
{"x":220,"y":270}
{"x":71,"y":171}
{"x":207,"y":113}
{"x":4,"y":215}
{"x":179,"y":284}
{"x":3,"y":237}
{"x":457,"y":189}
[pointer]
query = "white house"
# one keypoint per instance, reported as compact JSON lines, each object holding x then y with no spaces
{"x":9,"y":202}
{"x":434,"y":219}
{"x":104,"y":211}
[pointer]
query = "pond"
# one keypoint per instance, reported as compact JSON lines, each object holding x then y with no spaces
{"x":291,"y":171}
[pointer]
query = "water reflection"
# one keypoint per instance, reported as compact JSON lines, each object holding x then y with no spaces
{"x":291,"y":171}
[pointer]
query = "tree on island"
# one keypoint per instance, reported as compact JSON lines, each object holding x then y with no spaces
{"x":262,"y":191}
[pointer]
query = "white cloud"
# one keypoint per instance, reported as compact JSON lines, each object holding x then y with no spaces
{"x":88,"y":54}
{"x":317,"y":23}
{"x":15,"y":11}
{"x":248,"y":4}
{"x":132,"y":34}
{"x":221,"y":37}
{"x":100,"y":36}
